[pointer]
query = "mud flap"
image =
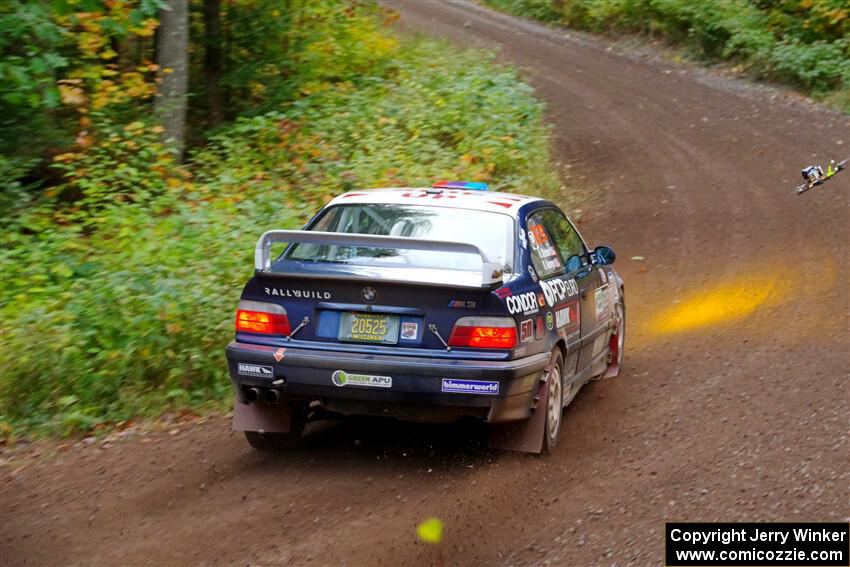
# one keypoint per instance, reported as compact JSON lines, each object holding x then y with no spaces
{"x":262,"y":417}
{"x":612,"y":370}
{"x":527,"y":435}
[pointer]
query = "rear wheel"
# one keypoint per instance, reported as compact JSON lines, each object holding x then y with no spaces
{"x":554,"y":403}
{"x":268,"y":441}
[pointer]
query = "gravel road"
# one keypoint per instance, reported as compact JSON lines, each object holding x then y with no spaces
{"x":734,"y":402}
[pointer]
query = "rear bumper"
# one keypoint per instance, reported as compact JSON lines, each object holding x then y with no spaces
{"x":423,"y":389}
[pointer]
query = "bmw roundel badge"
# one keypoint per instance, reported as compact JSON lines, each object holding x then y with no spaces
{"x":369,"y":294}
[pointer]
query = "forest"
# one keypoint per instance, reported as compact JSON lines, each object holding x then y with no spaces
{"x":801,"y":43}
{"x":146,"y":145}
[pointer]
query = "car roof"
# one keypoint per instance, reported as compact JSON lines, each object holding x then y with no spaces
{"x":507,"y":203}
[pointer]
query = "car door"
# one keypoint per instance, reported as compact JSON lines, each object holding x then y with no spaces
{"x":592,"y":289}
{"x":560,"y":298}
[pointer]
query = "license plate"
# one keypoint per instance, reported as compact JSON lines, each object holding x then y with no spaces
{"x":368,"y":328}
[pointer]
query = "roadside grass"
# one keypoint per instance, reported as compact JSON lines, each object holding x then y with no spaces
{"x":119,"y":286}
{"x":804,"y":44}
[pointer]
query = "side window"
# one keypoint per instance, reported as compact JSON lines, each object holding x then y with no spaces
{"x":544,"y":253}
{"x":566,"y":239}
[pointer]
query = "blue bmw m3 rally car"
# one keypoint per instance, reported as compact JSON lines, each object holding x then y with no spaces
{"x":425,"y":304}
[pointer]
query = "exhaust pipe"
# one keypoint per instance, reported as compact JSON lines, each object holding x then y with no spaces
{"x":251,"y":395}
{"x":271,"y":396}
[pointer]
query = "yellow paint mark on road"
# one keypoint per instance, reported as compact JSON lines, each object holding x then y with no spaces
{"x":430,"y":531}
{"x":721,"y":303}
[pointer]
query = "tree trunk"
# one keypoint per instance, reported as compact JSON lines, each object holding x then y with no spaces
{"x":213,"y":62}
{"x":172,"y":56}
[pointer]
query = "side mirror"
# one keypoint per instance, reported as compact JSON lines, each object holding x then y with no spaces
{"x":604,"y":255}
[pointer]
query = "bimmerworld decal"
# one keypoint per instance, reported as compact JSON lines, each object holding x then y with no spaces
{"x":486,"y":387}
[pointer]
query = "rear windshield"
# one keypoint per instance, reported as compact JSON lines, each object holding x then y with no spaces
{"x":491,"y":232}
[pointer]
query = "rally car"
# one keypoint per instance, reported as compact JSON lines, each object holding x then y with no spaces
{"x":429,"y":304}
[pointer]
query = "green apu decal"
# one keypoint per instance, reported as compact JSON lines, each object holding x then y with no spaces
{"x":342,"y":378}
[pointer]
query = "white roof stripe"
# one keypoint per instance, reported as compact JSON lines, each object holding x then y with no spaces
{"x":450,"y":198}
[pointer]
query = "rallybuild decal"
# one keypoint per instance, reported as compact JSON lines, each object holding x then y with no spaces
{"x":486,"y":387}
{"x":342,"y":378}
{"x":297,"y":293}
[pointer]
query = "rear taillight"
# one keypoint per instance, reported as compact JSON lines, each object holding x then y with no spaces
{"x":484,"y":332}
{"x":261,"y":317}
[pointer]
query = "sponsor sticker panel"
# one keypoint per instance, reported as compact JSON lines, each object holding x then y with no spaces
{"x":556,"y":291}
{"x":525,"y":303}
{"x":481,"y":387}
{"x":409,"y":330}
{"x":602,"y":299}
{"x":255,"y":370}
{"x":568,"y":317}
{"x":293,"y":293}
{"x":341,"y":378}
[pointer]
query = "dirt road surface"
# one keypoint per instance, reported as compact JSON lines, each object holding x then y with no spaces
{"x":733,"y":405}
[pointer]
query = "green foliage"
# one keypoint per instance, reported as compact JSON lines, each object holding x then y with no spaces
{"x":431,"y":116}
{"x":56,"y":60}
{"x":119,"y":287}
{"x":31,"y":44}
{"x":543,"y":10}
{"x":804,"y":43}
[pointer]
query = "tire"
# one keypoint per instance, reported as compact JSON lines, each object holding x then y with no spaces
{"x":554,"y":403}
{"x":280,"y":441}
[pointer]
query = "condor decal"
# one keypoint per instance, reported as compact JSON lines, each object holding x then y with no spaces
{"x":525,"y":303}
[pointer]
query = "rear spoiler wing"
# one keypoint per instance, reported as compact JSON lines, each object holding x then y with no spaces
{"x":491,"y":273}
